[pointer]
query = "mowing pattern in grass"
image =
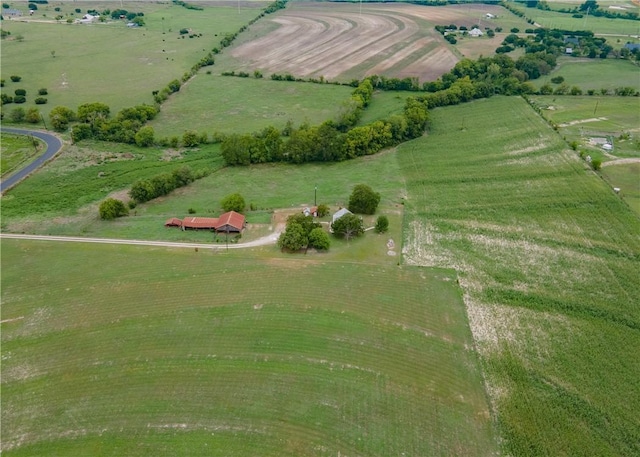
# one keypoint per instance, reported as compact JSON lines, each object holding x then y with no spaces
{"x":549,"y":259}
{"x":130,"y":351}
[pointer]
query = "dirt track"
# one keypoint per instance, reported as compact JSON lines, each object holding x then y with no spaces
{"x":264,"y":241}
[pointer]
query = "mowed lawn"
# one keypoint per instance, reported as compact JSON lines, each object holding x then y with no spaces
{"x":115,"y":350}
{"x":594,"y":74}
{"x":548,"y":257}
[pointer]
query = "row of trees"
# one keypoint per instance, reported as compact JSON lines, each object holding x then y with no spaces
{"x":144,"y":190}
{"x":96,"y":123}
{"x":329,"y":142}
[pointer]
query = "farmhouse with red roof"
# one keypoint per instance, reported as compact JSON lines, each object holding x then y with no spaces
{"x":230,"y":222}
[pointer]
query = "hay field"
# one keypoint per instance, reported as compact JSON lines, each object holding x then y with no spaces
{"x":343,"y":41}
{"x":548,"y":257}
{"x":112,"y":350}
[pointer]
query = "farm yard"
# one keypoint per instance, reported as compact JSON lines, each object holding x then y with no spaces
{"x":496,"y":316}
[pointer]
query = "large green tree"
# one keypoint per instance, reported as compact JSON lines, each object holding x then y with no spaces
{"x":293,"y":238}
{"x":348,"y":226}
{"x":363,"y":200}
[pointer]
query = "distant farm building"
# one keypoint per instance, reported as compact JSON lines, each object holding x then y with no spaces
{"x":476,"y":32}
{"x":490,"y":16}
{"x":10,"y":13}
{"x":88,"y":19}
{"x":632,"y":46}
{"x":310,"y":211}
{"x":230,"y":222}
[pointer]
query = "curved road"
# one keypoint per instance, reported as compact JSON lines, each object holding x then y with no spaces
{"x":53,"y":146}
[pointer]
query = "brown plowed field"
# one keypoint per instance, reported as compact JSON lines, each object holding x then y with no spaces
{"x":341,"y":41}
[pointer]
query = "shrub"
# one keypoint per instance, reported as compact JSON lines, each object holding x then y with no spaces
{"x":43,"y":91}
{"x":20,"y":92}
{"x":112,"y":208}
{"x":596,"y":164}
{"x":323,"y":210}
{"x":515,"y":30}
{"x":32,"y":116}
{"x":19,"y":99}
{"x":382,"y":224}
{"x":190,"y":139}
{"x":4,"y":99}
{"x":145,"y":136}
{"x":17,"y":114}
{"x":40,"y":101}
{"x":557,"y":79}
{"x":233,"y":202}
{"x":191,"y":211}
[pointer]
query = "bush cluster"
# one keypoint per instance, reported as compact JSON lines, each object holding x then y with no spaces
{"x":144,"y":190}
{"x":95,"y":123}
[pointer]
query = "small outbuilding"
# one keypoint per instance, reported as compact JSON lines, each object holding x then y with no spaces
{"x":338,"y":214}
{"x":230,"y":222}
{"x":476,"y":32}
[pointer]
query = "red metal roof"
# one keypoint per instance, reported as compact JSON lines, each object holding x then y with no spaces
{"x":200,"y":222}
{"x":233,"y":219}
{"x":173,"y":222}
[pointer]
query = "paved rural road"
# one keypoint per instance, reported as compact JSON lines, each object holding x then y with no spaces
{"x":264,"y":241}
{"x":53,"y":146}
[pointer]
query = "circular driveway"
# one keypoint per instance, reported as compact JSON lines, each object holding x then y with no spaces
{"x":54,"y":144}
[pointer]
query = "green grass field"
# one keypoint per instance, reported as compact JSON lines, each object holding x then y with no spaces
{"x":626,"y":177}
{"x":227,"y":104}
{"x":231,"y":355}
{"x":598,"y":25}
{"x":581,"y":118}
{"x":16,"y":151}
{"x":548,"y":258}
{"x":594,"y":74}
{"x":122,"y":74}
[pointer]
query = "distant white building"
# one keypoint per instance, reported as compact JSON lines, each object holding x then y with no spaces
{"x":88,"y":19}
{"x":490,"y":16}
{"x":476,"y":32}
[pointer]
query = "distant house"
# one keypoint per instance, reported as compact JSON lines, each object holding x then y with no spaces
{"x":310,"y":211}
{"x":632,"y":46}
{"x":568,"y":51}
{"x":476,"y":32}
{"x":10,"y":12}
{"x":88,"y":19}
{"x":338,"y":214}
{"x":230,"y":222}
{"x":571,"y":40}
{"x":490,"y":16}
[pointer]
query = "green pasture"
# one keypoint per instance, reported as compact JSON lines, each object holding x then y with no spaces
{"x":565,"y":21}
{"x":626,"y":177}
{"x":116,"y":350}
{"x":136,"y":61}
{"x":84,"y":174}
{"x":385,"y":104}
{"x":17,"y":151}
{"x":594,"y":74}
{"x":548,"y":257}
{"x":581,"y":118}
{"x":227,"y":104}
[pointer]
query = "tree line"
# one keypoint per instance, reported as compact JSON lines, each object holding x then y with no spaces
{"x":331,"y":141}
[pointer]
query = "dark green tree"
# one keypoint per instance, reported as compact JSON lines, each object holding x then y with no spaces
{"x":293,"y":238}
{"x":319,"y":239}
{"x":382,"y":224}
{"x":145,"y":136}
{"x":363,"y":200}
{"x":348,"y":226}
{"x":233,"y":202}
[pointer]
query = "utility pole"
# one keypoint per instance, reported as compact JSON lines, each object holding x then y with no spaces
{"x":315,"y":196}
